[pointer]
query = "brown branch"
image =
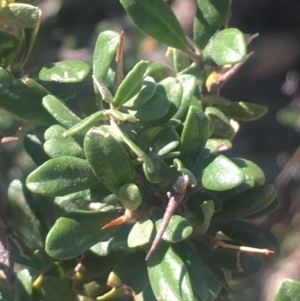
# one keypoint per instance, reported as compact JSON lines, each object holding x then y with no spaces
{"x":176,"y":196}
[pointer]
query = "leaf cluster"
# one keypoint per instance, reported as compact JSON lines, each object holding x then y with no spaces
{"x":105,"y":176}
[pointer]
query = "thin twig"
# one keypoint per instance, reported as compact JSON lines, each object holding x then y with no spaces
{"x":176,"y":196}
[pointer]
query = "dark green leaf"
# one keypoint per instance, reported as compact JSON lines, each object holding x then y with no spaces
{"x":23,"y":98}
{"x":166,"y":141}
{"x":246,"y":203}
{"x":155,"y":108}
{"x":146,"y":92}
{"x":71,"y":71}
{"x":33,"y":143}
{"x":109,"y":161}
{"x":220,"y":123}
{"x":168,"y":275}
{"x":57,"y":289}
{"x":289,"y":290}
{"x":243,"y":110}
{"x":195,"y":133}
{"x":178,"y":229}
{"x":172,"y":89}
{"x":210,"y":15}
{"x":155,"y":18}
{"x":227,"y":47}
{"x":222,"y":174}
{"x":105,"y":50}
{"x":189,"y":84}
{"x":202,"y":279}
{"x":131,"y":85}
{"x":132,"y":272}
{"x":9,"y":46}
{"x":60,"y":112}
{"x":250,"y":235}
{"x":77,"y":231}
{"x":61,"y":176}
{"x":22,"y":218}
{"x":57,"y":145}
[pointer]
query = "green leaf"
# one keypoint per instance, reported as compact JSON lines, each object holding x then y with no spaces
{"x":131,"y":84}
{"x":71,"y":71}
{"x":140,"y":234}
{"x":131,"y":272}
{"x":243,"y":110}
{"x":22,"y":218}
{"x":155,"y":18}
{"x":221,"y":174}
{"x":189,"y":84}
{"x":77,"y":231}
{"x":63,"y":147}
{"x":155,"y":108}
{"x":23,"y":288}
{"x":168,"y":275}
{"x":207,"y":208}
{"x":20,"y":14}
{"x":179,"y":59}
{"x":166,"y":141}
{"x":146,"y":92}
{"x":210,"y":15}
{"x":109,"y":161}
{"x":23,"y":98}
{"x":289,"y":290}
{"x":159,"y":71}
{"x":250,"y":235}
{"x":60,"y":112}
{"x":163,"y":173}
{"x":218,"y":145}
{"x":196,"y":131}
{"x":33,"y":143}
{"x":246,"y":203}
{"x":251,"y":171}
{"x":226,"y":47}
{"x":130,"y":196}
{"x":221,"y":124}
{"x":53,"y":288}
{"x":104,"y":53}
{"x":172,"y":89}
{"x":61,"y":176}
{"x":178,"y":229}
{"x":9,"y":46}
{"x":56,"y":145}
{"x":203,"y":281}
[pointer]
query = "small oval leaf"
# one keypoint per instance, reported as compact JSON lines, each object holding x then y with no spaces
{"x":61,"y":176}
{"x":222,"y":174}
{"x":109,"y":161}
{"x":140,"y":234}
{"x":71,"y":71}
{"x":77,"y":231}
{"x":178,"y":229}
{"x":227,"y":47}
{"x":155,"y":18}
